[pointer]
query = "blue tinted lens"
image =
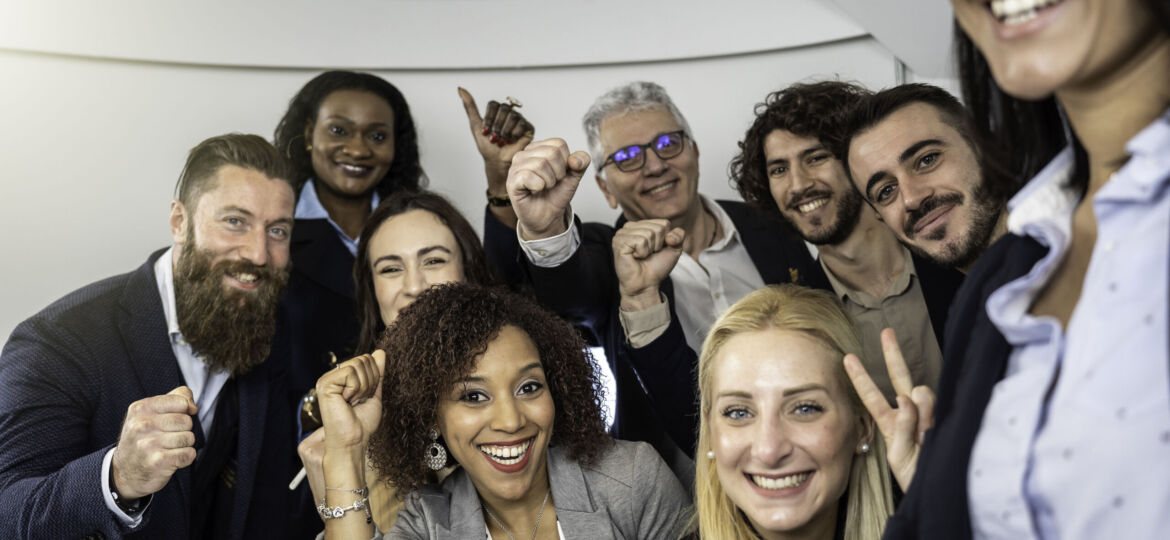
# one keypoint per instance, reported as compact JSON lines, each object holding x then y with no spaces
{"x":627,"y":153}
{"x":667,"y":141}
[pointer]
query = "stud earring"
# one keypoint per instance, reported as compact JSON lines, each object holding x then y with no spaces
{"x":308,"y":148}
{"x":864,"y":448}
{"x":710,"y":454}
{"x":436,"y":454}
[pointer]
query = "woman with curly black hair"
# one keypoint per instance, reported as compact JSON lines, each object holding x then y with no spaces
{"x":493,"y":383}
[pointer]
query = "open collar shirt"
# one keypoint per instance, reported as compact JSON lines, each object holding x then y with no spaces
{"x":1075,"y":441}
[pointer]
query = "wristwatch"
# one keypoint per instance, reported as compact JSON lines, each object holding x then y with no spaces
{"x":497,"y":201}
{"x":130,"y":508}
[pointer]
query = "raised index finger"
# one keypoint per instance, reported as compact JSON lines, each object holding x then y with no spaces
{"x":896,"y":364}
{"x":871,"y":396}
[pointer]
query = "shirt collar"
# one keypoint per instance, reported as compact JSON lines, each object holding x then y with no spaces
{"x":164,"y":275}
{"x":310,"y":207}
{"x":730,"y":233}
{"x":899,"y":286}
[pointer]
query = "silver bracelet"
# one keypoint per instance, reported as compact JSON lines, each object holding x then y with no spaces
{"x":337,"y":512}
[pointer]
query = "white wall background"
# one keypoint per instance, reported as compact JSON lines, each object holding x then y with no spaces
{"x":101,"y":100}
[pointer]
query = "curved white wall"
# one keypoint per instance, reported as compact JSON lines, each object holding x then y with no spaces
{"x":91,"y":147}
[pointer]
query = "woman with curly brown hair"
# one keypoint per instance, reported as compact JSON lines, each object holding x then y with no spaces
{"x":493,"y":383}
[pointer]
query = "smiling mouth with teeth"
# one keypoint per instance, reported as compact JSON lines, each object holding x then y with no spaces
{"x":506,"y":455}
{"x":246,"y":277}
{"x":661,"y":188}
{"x":812,"y":205}
{"x":783,"y":482}
{"x":1019,"y":11}
{"x":354,"y":169}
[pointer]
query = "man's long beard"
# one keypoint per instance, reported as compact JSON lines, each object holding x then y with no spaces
{"x":230,"y":329}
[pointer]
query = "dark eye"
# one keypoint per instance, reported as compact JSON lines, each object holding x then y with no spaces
{"x":818,"y":158}
{"x":927,"y":161}
{"x":388,"y":269}
{"x":529,"y":387}
{"x":778,"y":170}
{"x":885,"y":192}
{"x":337,"y":130}
{"x":473,"y":396}
{"x":378,"y":136}
{"x":434,"y":261}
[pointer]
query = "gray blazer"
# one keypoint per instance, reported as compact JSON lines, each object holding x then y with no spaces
{"x":628,"y":494}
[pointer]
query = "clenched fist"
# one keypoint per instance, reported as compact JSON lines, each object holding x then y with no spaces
{"x":543,"y":178}
{"x":644,"y":253}
{"x":156,"y":441}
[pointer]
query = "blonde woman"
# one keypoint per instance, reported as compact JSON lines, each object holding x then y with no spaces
{"x":786,"y":448}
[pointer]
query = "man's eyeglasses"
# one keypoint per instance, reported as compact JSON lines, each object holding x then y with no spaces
{"x":632,"y":157}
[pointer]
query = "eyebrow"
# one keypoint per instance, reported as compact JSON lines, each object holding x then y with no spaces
{"x":906,"y":154}
{"x":344,"y":119}
{"x":803,"y":153}
{"x":421,"y":252}
{"x":470,"y":379}
{"x":787,"y":392}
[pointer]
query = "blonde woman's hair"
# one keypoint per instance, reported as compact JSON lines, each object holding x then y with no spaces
{"x":818,"y":315}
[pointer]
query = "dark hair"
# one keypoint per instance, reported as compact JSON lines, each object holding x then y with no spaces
{"x":817,"y":109}
{"x":239,"y":149}
{"x":405,"y":171}
{"x":999,"y":181}
{"x":437,"y":340}
{"x":1032,"y":131}
{"x":475,"y":267}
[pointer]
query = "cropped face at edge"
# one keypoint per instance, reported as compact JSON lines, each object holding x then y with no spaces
{"x":1037,"y":47}
{"x":497,"y":421}
{"x":409,"y":253}
{"x":782,"y":428}
{"x":660,"y":188}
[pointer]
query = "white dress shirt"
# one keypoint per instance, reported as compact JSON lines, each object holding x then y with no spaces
{"x":703,"y":289}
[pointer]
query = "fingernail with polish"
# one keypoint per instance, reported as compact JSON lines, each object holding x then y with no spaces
{"x":486,"y":130}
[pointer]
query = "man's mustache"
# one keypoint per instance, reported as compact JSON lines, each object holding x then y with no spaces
{"x":928,"y":205}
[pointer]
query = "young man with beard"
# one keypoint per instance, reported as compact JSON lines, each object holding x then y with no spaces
{"x":142,"y":405}
{"x":911,"y":151}
{"x":787,"y":166}
{"x":649,"y":287}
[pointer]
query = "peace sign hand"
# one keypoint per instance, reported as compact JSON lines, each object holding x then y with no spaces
{"x":903,"y":427}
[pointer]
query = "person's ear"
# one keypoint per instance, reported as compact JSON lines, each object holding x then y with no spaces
{"x":609,"y":198}
{"x":178,"y":222}
{"x":865,"y":430}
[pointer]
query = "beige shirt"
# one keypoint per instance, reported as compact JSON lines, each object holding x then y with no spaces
{"x":903,"y":308}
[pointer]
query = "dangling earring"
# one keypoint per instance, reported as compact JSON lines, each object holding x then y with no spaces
{"x":436,"y":454}
{"x":864,"y":448}
{"x":710,"y":454}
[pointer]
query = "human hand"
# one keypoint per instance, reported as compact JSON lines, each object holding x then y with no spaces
{"x":350,"y":398}
{"x":904,"y":427}
{"x":499,"y":134}
{"x":543,"y":178}
{"x":644,"y":253}
{"x":156,"y":441}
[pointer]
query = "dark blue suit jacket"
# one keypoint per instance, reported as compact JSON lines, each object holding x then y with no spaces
{"x":975,"y":359}
{"x":67,"y":376}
